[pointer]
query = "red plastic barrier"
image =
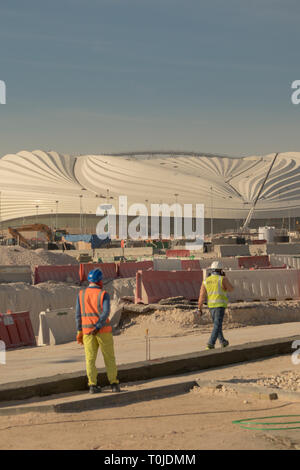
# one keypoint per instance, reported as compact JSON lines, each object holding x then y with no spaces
{"x":254,"y":261}
{"x":56,"y":273}
{"x":109,"y":270}
{"x":130,"y":269}
{"x":190,"y":265}
{"x":177,"y":253}
{"x":152,"y":286}
{"x":16,"y":330}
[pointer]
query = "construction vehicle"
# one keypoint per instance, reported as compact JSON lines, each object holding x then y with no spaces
{"x":21,"y":240}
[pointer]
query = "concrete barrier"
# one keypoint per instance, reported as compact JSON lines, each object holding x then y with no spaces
{"x":109,"y":270}
{"x":130,"y":269}
{"x":167,"y":264}
{"x":190,"y":265}
{"x":227,"y":263}
{"x":68,"y":273}
{"x":177,"y":253}
{"x":57,"y":327}
{"x":232,"y":250}
{"x":258,"y":250}
{"x":75,"y":253}
{"x":283,"y":248}
{"x":265,"y":284}
{"x":111,"y":252}
{"x":152,"y":286}
{"x":16,"y":330}
{"x":288,"y":260}
{"x":193,"y":264}
{"x":15,"y":274}
{"x":253,"y":261}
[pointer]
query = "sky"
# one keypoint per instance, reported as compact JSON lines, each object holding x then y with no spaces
{"x":96,"y":76}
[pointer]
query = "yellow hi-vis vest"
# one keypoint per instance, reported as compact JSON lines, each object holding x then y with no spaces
{"x":216,"y":295}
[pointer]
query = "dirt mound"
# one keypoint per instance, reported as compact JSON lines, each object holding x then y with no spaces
{"x":17,"y":255}
{"x":182,"y":321}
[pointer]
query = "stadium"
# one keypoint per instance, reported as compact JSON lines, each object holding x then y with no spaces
{"x":65,"y":191}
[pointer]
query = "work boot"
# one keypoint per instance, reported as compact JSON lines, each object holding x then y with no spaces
{"x":115,"y":387}
{"x":225,"y":344}
{"x":95,"y":389}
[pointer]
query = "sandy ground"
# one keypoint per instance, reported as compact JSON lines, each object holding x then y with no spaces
{"x":200,"y":419}
{"x":29,"y":363}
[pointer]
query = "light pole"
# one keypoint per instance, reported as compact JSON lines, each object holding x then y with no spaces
{"x":36,"y":221}
{"x":176,"y":214}
{"x":80,"y":213}
{"x":211,"y":214}
{"x":56,"y":202}
{"x":146,"y":201}
{"x":1,"y":214}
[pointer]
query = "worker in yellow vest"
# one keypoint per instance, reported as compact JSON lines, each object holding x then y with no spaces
{"x":94,"y":330}
{"x":215,"y":288}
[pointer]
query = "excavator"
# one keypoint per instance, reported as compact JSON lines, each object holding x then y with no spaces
{"x":15,"y":233}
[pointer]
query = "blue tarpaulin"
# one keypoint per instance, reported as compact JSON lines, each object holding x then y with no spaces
{"x":94,"y":240}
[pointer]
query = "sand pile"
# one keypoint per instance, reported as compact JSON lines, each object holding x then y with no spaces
{"x":17,"y":255}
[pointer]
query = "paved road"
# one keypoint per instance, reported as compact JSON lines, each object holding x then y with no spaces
{"x":29,"y":363}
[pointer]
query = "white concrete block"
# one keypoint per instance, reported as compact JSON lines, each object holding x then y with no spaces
{"x":266,"y":284}
{"x":170,"y":264}
{"x":57,"y":326}
{"x":15,"y":274}
{"x":283,"y":248}
{"x":227,"y":263}
{"x":231,"y":250}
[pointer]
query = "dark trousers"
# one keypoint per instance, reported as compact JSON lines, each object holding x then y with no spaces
{"x":217,"y":315}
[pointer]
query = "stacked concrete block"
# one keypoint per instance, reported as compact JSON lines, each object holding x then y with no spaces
{"x":232,"y":250}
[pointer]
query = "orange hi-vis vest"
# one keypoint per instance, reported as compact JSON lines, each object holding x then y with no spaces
{"x":91,"y":306}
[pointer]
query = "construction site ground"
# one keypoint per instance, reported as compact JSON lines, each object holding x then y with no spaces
{"x":44,"y":361}
{"x":200,"y":418}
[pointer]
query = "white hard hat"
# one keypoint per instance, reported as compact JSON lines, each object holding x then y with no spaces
{"x":216,"y":265}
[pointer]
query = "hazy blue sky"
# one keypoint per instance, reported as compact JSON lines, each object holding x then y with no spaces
{"x":89,"y":76}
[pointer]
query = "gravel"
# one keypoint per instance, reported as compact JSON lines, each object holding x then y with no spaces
{"x":17,"y":255}
{"x":287,"y":381}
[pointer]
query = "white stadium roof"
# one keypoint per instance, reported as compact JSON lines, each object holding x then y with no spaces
{"x":32,"y":182}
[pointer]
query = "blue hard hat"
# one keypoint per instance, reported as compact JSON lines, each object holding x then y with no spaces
{"x":95,"y":275}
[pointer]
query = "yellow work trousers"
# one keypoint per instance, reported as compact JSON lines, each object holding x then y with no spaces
{"x":91,"y":346}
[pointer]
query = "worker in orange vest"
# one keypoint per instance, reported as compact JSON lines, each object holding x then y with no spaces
{"x":123,"y":245}
{"x":94,"y":330}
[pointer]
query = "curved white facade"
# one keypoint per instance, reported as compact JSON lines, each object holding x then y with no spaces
{"x":38,"y":182}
